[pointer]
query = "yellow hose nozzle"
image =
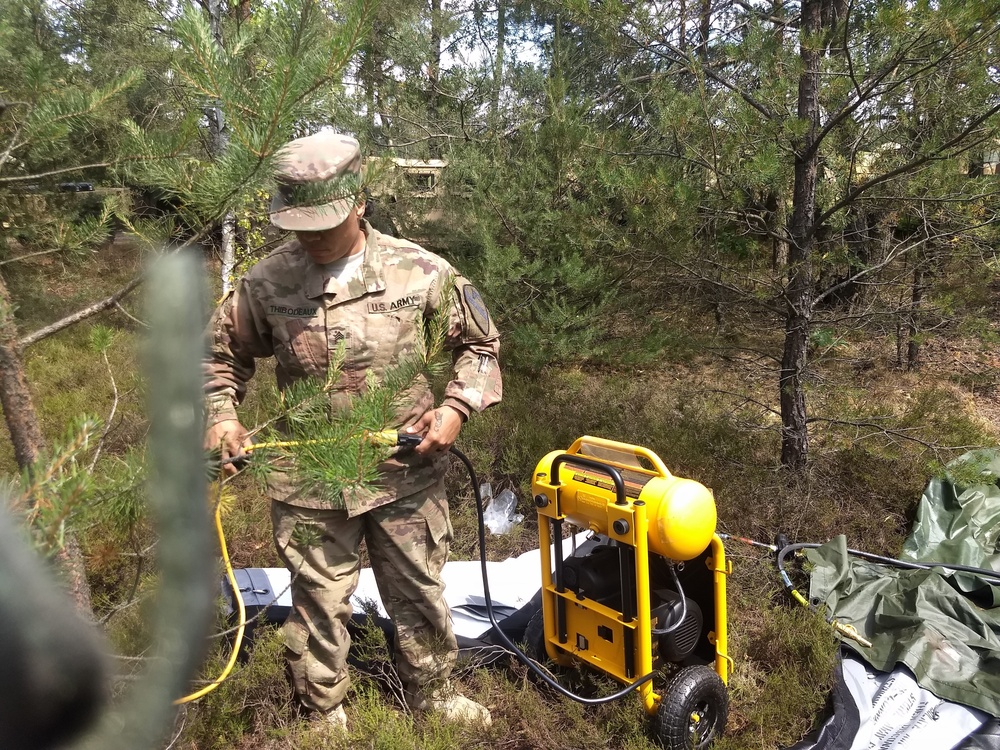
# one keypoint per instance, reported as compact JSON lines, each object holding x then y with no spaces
{"x":849,"y":631}
{"x":393,"y":438}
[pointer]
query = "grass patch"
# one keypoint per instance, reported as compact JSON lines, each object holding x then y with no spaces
{"x":255,"y":699}
{"x":784,"y":657}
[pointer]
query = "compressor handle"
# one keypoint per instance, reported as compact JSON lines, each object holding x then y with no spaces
{"x":590,"y":463}
{"x":659,"y":468}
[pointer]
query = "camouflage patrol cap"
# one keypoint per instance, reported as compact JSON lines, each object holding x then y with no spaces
{"x":319,"y":181}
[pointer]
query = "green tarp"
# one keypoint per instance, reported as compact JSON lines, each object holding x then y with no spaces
{"x":944,"y":627}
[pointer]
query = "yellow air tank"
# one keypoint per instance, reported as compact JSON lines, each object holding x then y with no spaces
{"x":681,"y":512}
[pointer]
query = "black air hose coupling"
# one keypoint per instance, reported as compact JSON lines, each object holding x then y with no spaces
{"x":408,"y":440}
{"x":781,"y":541}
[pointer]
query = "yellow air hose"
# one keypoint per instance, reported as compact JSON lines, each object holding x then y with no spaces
{"x":242,"y":617}
{"x":386,"y":437}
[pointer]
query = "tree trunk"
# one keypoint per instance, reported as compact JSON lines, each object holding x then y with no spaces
{"x":913,"y":325}
{"x":218,"y":140}
{"x":682,"y":26}
{"x":775,"y":221}
{"x":704,"y":30}
{"x":799,"y":292}
{"x":498,"y":61}
{"x":366,"y":72}
{"x":977,"y":161}
{"x":433,"y":77}
{"x":15,"y":396}
{"x":26,"y":436}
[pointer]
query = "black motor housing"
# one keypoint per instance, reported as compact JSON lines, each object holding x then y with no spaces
{"x":678,"y":644}
{"x":594,"y":573}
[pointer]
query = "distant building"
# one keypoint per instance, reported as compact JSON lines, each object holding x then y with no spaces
{"x":405,"y":192}
{"x":991,"y":163}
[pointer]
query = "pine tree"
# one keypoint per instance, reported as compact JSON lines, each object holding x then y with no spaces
{"x":63,"y":119}
{"x":807,"y":133}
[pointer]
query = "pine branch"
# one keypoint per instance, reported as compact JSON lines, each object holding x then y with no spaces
{"x":333,"y":453}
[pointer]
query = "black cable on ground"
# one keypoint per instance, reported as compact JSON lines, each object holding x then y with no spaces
{"x":520,"y":655}
{"x":986,"y":574}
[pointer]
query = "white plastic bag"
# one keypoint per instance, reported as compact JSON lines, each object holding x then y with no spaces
{"x":498,"y":513}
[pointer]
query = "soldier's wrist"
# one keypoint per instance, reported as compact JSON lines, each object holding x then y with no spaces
{"x":463,"y":409}
{"x":219,"y":409}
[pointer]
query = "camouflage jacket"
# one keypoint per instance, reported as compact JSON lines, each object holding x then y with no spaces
{"x":285,"y":307}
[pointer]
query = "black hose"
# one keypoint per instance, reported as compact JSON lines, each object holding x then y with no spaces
{"x":986,"y":574}
{"x":520,"y":655}
{"x":684,"y":606}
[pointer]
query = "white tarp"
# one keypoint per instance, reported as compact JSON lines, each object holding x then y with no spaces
{"x":890,"y":711}
{"x":512,"y":584}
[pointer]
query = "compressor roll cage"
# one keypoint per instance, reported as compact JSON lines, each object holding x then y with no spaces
{"x":576,"y":627}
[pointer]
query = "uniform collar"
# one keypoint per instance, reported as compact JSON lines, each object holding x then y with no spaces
{"x":370,"y":279}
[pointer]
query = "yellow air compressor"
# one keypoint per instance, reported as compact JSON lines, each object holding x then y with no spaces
{"x":651,"y":594}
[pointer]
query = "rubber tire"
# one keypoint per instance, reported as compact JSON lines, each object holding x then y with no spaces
{"x":694,"y":690}
{"x":534,"y":638}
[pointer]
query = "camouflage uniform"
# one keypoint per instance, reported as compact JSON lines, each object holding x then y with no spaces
{"x":285,"y":307}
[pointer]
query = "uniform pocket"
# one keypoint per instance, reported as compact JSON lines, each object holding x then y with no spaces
{"x":439,"y":536}
{"x":435,"y":511}
{"x":307,"y":345}
{"x":379,"y":342}
{"x":439,"y":528}
{"x":296,"y":637}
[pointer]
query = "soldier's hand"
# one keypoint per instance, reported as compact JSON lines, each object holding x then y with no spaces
{"x":439,"y":428}
{"x":231,"y":437}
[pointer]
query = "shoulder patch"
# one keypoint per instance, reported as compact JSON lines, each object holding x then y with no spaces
{"x":476,"y":308}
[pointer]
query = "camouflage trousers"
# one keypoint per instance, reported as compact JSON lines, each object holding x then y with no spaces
{"x":407,"y":542}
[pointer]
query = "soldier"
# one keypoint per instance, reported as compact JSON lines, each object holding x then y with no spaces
{"x":341,"y":283}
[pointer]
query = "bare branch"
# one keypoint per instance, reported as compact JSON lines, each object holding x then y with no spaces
{"x":64,"y":170}
{"x":180,"y":730}
{"x":29,"y":255}
{"x":902,"y":434}
{"x":130,"y":600}
{"x":129,"y":315}
{"x":679,"y":56}
{"x":111,"y":415}
{"x":89,"y":311}
{"x":937,"y":155}
{"x":746,"y":400}
{"x":788,"y":23}
{"x":740,"y":292}
{"x":515,"y":235}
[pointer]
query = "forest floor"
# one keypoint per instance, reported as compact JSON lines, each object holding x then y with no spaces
{"x":709,"y":416}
